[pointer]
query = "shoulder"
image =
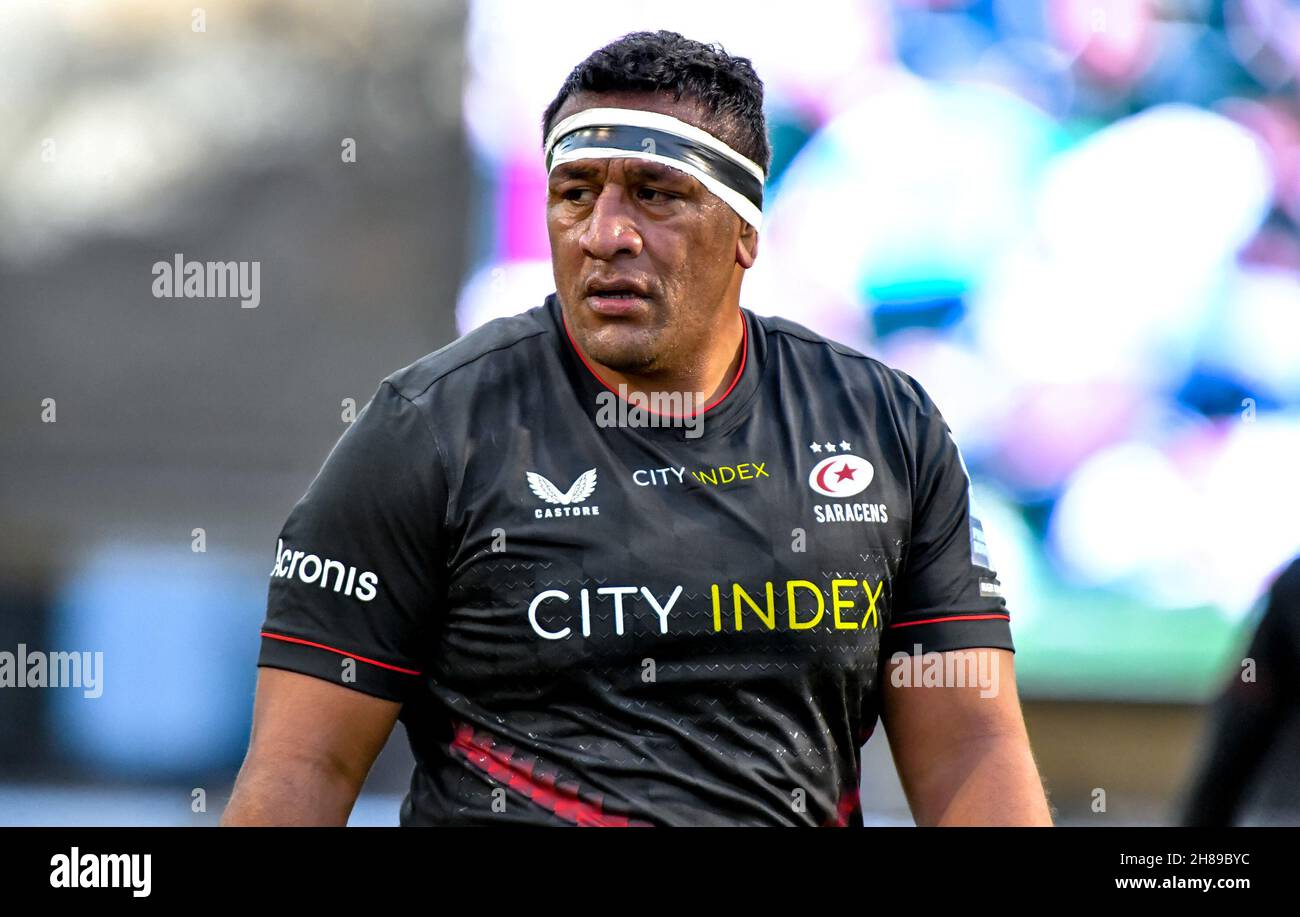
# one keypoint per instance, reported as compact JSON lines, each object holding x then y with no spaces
{"x":1286,"y":587}
{"x":861,"y":372}
{"x":502,"y":346}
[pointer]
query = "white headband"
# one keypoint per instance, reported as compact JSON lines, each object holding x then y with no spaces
{"x":602,"y":133}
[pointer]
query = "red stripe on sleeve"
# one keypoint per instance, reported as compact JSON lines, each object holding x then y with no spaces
{"x":321,"y":646}
{"x":953,"y":618}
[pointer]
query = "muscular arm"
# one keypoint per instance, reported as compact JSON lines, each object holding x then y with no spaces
{"x":964,"y":759}
{"x":312,"y":745}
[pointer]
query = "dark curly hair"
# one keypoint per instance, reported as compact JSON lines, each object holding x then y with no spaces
{"x":726,"y":87}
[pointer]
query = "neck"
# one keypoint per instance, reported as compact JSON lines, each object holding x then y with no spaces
{"x":712,"y":371}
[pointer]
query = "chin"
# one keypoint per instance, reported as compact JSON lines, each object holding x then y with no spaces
{"x":627,"y":353}
{"x":632,"y":361}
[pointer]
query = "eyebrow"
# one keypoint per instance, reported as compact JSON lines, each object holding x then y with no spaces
{"x":573,"y":170}
{"x":638,"y":169}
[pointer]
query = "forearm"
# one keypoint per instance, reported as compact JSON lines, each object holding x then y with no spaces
{"x":291,"y":791}
{"x":989,"y":780}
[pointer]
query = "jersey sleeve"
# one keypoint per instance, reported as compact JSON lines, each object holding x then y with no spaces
{"x":358,"y":561}
{"x":946,"y":596}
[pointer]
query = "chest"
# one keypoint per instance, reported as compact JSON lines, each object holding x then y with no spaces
{"x":582,"y":551}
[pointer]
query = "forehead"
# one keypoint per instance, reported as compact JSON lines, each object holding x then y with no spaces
{"x":633,"y":169}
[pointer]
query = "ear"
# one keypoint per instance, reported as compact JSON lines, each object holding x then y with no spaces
{"x":746,"y":245}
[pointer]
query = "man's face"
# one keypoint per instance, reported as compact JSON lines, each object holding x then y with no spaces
{"x":644,"y":255}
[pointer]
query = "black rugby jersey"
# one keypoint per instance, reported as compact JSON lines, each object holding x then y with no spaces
{"x":595,"y":623}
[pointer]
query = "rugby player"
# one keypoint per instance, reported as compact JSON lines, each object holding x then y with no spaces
{"x":688,"y":622}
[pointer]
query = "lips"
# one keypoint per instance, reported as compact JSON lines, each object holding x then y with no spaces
{"x":616,"y":287}
{"x":616,"y":296}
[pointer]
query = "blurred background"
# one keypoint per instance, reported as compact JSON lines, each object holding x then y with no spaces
{"x":1075,"y":222}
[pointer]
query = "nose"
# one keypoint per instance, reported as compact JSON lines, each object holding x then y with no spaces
{"x":611,"y":228}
